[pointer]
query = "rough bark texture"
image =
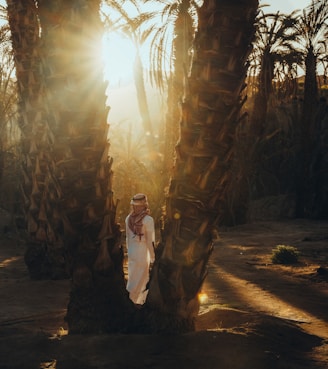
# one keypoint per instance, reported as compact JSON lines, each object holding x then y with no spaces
{"x":184,"y":32}
{"x":67,"y":177}
{"x":42,"y":259}
{"x":203,"y":159}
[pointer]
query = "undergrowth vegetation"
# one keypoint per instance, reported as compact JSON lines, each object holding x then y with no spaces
{"x":284,"y":254}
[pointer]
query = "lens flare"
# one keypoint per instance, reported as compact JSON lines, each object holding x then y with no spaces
{"x":202,"y":297}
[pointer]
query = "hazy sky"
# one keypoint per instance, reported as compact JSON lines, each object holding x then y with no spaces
{"x":285,"y":6}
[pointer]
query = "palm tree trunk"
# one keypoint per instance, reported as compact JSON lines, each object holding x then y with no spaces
{"x":26,"y":42}
{"x":262,"y":97}
{"x":66,"y":169}
{"x":203,"y":161}
{"x":142,"y":100}
{"x":182,"y":43}
{"x":310,"y":104}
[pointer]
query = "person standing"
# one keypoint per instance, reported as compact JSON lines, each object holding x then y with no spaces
{"x":140,"y":241}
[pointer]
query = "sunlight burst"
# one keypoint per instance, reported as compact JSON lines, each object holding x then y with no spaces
{"x":202,"y":297}
{"x":118,"y":56}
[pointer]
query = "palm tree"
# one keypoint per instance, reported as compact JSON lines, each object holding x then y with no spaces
{"x":66,"y":172}
{"x":312,"y":28}
{"x":131,"y":28}
{"x":25,"y":42}
{"x":204,"y":158}
{"x":171,"y":57}
{"x":274,"y":40}
{"x":273,"y":49}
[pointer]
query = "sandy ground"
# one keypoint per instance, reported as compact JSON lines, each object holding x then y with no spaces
{"x":254,"y":314}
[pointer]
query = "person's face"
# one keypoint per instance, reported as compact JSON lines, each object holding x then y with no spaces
{"x":138,"y":208}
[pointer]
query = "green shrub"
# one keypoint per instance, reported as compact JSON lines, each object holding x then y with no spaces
{"x":284,"y":254}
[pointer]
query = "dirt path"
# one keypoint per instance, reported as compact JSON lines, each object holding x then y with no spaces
{"x":243,"y":276}
{"x":255,"y":315}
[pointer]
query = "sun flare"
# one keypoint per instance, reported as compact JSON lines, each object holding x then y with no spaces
{"x":202,"y":297}
{"x":118,"y":55}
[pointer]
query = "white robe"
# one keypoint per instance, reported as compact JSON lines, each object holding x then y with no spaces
{"x":140,"y":255}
